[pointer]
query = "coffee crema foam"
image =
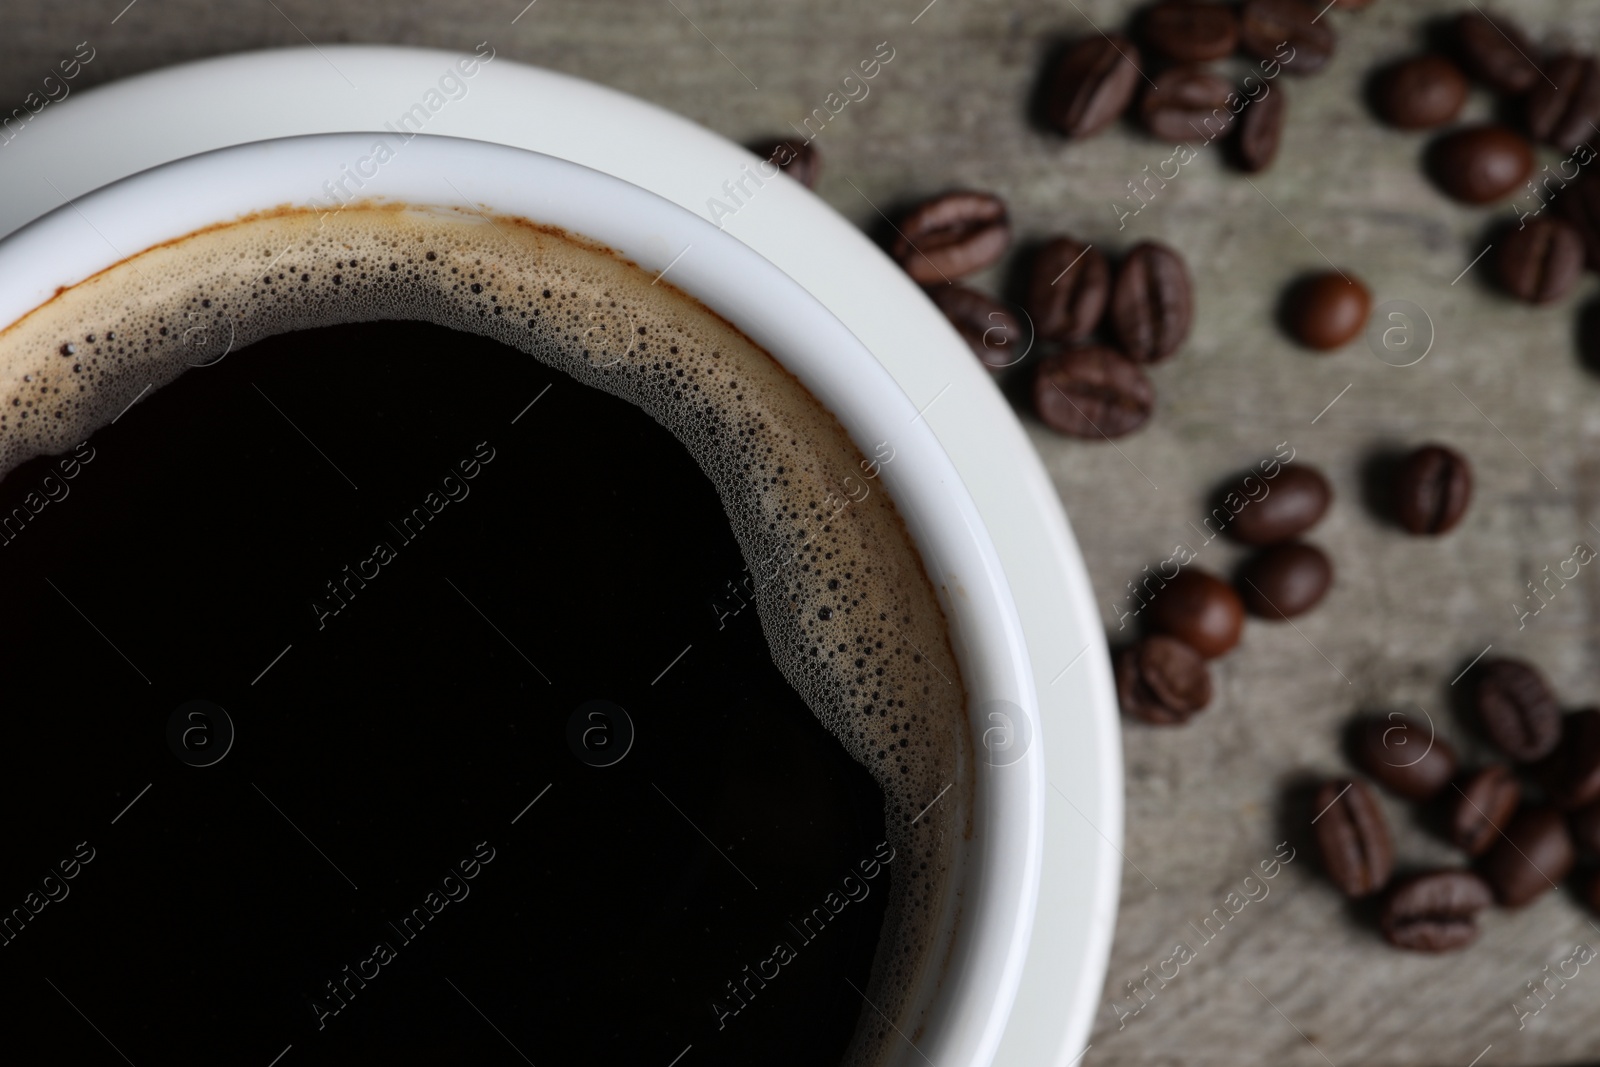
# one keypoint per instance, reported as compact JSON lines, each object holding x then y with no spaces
{"x":852,"y":622}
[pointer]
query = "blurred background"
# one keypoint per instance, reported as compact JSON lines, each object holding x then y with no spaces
{"x":1300,"y":977}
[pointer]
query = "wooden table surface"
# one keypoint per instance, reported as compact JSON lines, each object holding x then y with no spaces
{"x":1299,"y":977}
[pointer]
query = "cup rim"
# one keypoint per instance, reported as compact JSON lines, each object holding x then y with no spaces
{"x":965,"y":1015}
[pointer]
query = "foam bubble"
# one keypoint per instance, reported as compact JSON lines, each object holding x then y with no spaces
{"x":849,"y":614}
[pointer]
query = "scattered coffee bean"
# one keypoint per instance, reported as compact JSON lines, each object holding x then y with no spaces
{"x":1432,"y":490}
{"x":1187,"y":104}
{"x":1579,"y":204}
{"x":1421,"y":93}
{"x":1068,"y":290}
{"x":1199,"y":609}
{"x":988,"y":326}
{"x":1571,"y":773}
{"x":1483,"y":807}
{"x":1534,"y":853}
{"x":1584,"y":825}
{"x":1260,"y":130}
{"x":1288,"y":31}
{"x":1353,"y":838}
{"x":1294,"y":502}
{"x":1435,"y":912}
{"x":950,"y":236}
{"x":797,"y":159}
{"x":1092,"y":84}
{"x":1564,"y":106}
{"x":1187,"y":32}
{"x":1481,"y":164}
{"x":1516,"y":709}
{"x":1541,"y":261}
{"x":1405,"y":756}
{"x":1497,"y":52}
{"x":1327,"y":311}
{"x":1285,"y":580}
{"x":1151,"y":303}
{"x":1162,"y":681}
{"x":1092,"y":392}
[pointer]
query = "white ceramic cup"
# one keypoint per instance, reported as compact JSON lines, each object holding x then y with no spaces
{"x":968,"y":1001}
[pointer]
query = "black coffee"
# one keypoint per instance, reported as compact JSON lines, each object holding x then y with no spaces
{"x":402,"y":732}
{"x":384,"y":693}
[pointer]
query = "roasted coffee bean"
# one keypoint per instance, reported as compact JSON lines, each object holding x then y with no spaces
{"x":1406,"y":756}
{"x":1187,"y":104}
{"x":950,"y":236}
{"x":1277,"y":509}
{"x":1162,"y":681}
{"x":1432,"y":489}
{"x":1541,"y":261}
{"x":1199,"y":609}
{"x":993,"y":333}
{"x":1584,"y":826}
{"x":1480,"y":164}
{"x":1497,"y":53}
{"x":1579,"y":204}
{"x":1092,"y":392}
{"x":1151,"y":303}
{"x":1564,"y":106}
{"x":1091,"y":84}
{"x":1260,"y":129}
{"x":1516,"y":709}
{"x":1188,"y":32}
{"x":1068,"y":290}
{"x":1532,"y":855}
{"x":1285,"y":580}
{"x":1327,"y":311}
{"x":1287,"y":31}
{"x":1483,"y":807}
{"x":1353,"y":838}
{"x":1435,"y":912}
{"x":1421,"y":93}
{"x":797,"y":159}
{"x":1571,"y":773}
